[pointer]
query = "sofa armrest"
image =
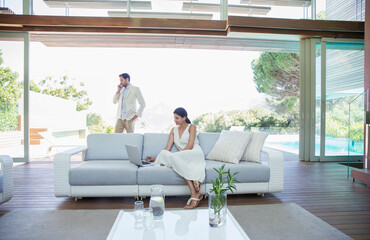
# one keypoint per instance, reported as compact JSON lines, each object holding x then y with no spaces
{"x":62,"y":164}
{"x":7,"y":171}
{"x":276,"y":164}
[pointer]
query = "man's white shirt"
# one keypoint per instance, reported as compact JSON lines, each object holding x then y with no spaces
{"x":127,"y":100}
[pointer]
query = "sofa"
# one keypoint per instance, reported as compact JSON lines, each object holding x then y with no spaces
{"x":6,"y":178}
{"x":106,"y":171}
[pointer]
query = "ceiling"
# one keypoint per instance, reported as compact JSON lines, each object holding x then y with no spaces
{"x":239,"y":43}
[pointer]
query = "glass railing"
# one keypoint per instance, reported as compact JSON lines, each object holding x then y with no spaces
{"x":357,"y":107}
{"x":193,"y":9}
{"x":11,"y":7}
{"x":202,"y":9}
{"x":343,"y":10}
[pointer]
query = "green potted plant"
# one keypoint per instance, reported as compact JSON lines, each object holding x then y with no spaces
{"x":217,"y":196}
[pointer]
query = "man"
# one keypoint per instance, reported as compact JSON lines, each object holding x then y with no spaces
{"x":126,"y":97}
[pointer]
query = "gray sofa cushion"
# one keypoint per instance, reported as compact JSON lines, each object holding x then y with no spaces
{"x":158,"y":175}
{"x":207,"y":141}
{"x":111,"y":145}
{"x":1,"y":183}
{"x":248,"y":171}
{"x":104,"y":172}
{"x":154,"y":143}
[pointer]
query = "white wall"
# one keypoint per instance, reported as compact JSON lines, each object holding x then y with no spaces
{"x":53,"y":113}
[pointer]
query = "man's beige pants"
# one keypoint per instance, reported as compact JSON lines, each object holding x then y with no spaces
{"x":124,"y":124}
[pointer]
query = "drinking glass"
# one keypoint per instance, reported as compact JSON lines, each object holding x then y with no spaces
{"x":148,"y":218}
{"x":139,"y":210}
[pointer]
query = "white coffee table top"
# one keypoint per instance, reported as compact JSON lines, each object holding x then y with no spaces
{"x":176,"y":224}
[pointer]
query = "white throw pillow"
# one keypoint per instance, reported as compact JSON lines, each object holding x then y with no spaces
{"x":253,"y":151}
{"x":229,"y":146}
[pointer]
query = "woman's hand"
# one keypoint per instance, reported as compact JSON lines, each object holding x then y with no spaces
{"x":150,"y":159}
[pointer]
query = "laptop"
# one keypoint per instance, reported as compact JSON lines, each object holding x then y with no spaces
{"x":134,"y":156}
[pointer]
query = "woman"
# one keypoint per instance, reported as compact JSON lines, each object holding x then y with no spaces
{"x":189,"y":161}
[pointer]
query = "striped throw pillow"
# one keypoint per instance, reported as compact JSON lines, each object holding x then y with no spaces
{"x":229,"y":147}
{"x":253,"y":151}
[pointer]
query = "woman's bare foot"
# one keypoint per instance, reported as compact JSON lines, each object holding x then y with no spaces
{"x":196,"y":186}
{"x":194,"y":201}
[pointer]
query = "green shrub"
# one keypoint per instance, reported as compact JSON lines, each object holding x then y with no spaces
{"x":8,"y":117}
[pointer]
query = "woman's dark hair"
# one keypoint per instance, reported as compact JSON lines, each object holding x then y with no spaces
{"x":125,"y":75}
{"x":182,"y":113}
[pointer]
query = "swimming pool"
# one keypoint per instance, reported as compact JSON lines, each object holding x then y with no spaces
{"x":333,"y":146}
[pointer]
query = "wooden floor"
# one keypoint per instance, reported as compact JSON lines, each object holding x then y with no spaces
{"x":321,"y":188}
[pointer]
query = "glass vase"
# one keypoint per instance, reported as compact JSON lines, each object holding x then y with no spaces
{"x":217,"y":208}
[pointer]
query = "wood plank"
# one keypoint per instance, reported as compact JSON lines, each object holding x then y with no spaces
{"x":288,"y":3}
{"x":367,"y":82}
{"x":99,"y":4}
{"x":36,"y":136}
{"x":5,"y":10}
{"x":360,"y":237}
{"x":321,"y":188}
{"x":151,"y":14}
{"x":301,"y":27}
{"x":362,"y":175}
{"x":232,"y":8}
{"x":119,"y":22}
{"x":32,"y":142}
{"x":37,"y":130}
{"x":302,"y":33}
{"x":19,"y":122}
{"x":155,"y":41}
{"x":112,"y":30}
{"x":296,"y":24}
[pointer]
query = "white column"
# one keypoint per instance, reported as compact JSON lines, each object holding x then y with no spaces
{"x":307,"y":100}
{"x":323,"y":101}
{"x":128,"y":8}
{"x":27,"y":7}
{"x":302,"y":106}
{"x":223,"y":9}
{"x":26,"y":91}
{"x":313,"y":9}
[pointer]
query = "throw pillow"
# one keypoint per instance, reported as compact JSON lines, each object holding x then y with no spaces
{"x":253,"y":151}
{"x":229,"y":146}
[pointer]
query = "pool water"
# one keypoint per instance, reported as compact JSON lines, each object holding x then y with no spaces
{"x":333,"y":147}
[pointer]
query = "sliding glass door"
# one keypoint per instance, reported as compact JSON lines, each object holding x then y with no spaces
{"x":14,"y":96}
{"x":332,"y":76}
{"x":340,"y":80}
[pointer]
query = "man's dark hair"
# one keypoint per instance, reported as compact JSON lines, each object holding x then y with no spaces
{"x":125,"y":75}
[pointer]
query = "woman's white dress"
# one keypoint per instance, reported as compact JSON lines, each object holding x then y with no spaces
{"x":189,"y":164}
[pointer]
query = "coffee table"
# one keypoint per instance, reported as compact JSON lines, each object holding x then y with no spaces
{"x":176,"y":224}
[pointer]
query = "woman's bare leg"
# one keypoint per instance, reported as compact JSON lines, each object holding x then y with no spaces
{"x":196,"y":185}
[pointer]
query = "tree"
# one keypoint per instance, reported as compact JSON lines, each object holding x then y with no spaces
{"x":321,"y":15}
{"x":11,"y":89}
{"x":256,"y":117}
{"x":277,"y":75}
{"x":64,"y":89}
{"x":96,"y":124}
{"x":10,"y":92}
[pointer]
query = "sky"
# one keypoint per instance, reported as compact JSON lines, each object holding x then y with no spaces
{"x":201,"y":81}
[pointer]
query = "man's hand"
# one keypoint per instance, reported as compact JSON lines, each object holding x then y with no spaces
{"x":119,"y":88}
{"x":134,"y":118}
